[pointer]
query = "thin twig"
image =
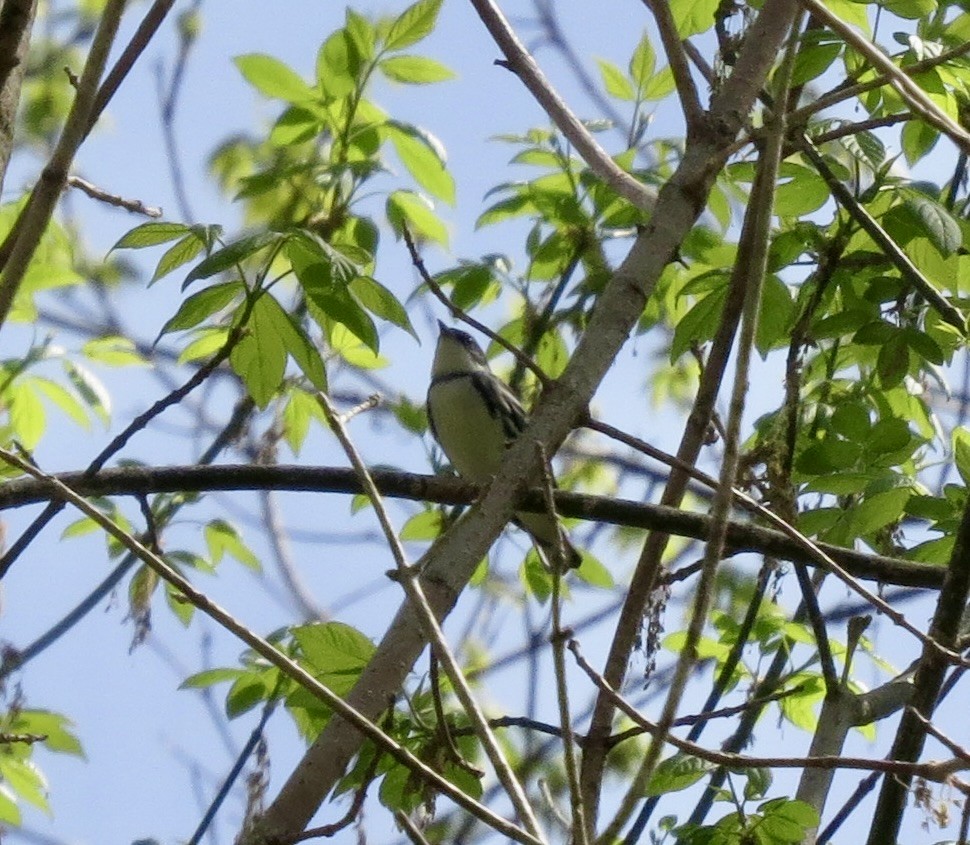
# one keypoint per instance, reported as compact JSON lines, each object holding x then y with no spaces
{"x":455,"y":311}
{"x":174,"y":397}
{"x":912,"y":94}
{"x":93,"y":191}
{"x":237,"y":767}
{"x":938,"y":771}
{"x":580,"y":833}
{"x":520,"y":61}
{"x":407,"y":576}
{"x":281,"y":661}
{"x":848,"y":89}
{"x":411,"y":830}
{"x":690,"y":101}
{"x":743,"y":535}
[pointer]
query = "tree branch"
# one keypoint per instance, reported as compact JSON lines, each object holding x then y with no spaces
{"x":742,"y":536}
{"x":37,"y":213}
{"x":525,"y":67}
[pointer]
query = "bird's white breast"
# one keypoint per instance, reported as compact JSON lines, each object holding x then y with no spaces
{"x":471,"y":437}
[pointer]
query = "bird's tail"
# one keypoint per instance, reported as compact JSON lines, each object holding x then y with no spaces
{"x":549,"y":537}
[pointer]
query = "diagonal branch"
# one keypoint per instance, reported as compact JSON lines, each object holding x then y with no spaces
{"x":40,"y":205}
{"x":406,"y":575}
{"x":912,"y":94}
{"x":520,"y":61}
{"x":277,"y":658}
{"x":690,"y":101}
{"x":911,"y":733}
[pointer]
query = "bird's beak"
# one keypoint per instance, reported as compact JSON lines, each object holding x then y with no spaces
{"x":442,"y":327}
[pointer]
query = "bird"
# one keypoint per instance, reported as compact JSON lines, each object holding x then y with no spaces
{"x":474,"y":416}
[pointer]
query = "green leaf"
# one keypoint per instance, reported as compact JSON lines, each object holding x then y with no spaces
{"x":676,"y":773}
{"x":699,"y":324}
{"x":924,"y":346}
{"x":414,"y":70}
{"x":785,"y":821}
{"x":222,"y":538}
{"x":26,"y":780}
{"x":511,"y":207}
{"x":259,"y":358}
{"x":594,"y":573}
{"x":471,"y":284}
{"x":297,"y":344}
{"x":830,"y":455}
{"x":814,"y":59}
{"x":325,"y":276}
{"x":63,"y":399}
{"x":423,"y":526}
{"x":424,"y":157}
{"x":892,"y":363}
{"x":851,"y":420}
{"x":659,"y":86}
{"x":939,"y":225}
{"x":349,"y":347}
{"x":918,"y":139}
{"x":209,"y":340}
{"x":338,"y":65}
{"x":211,"y":677}
{"x":57,"y":729}
{"x":114,"y":351}
{"x":310,"y":254}
{"x":362,"y":32}
{"x":295,"y":126}
{"x":961,"y":453}
{"x":912,"y":9}
{"x":201,"y":305}
{"x":9,"y":812}
{"x":615,"y":81}
{"x":300,"y":409}
{"x":90,"y":389}
{"x":151,"y":234}
{"x":535,"y":577}
{"x":801,"y":195}
{"x":889,"y":435}
{"x":176,"y":255}
{"x":692,"y":17}
{"x":875,"y":512}
{"x":777,"y":313}
{"x":333,"y":648}
{"x":412,"y":25}
{"x":413,"y":210}
{"x":642,"y":63}
{"x":27,"y":417}
{"x":247,"y":692}
{"x":273,"y":78}
{"x":230,"y":256}
{"x":381,"y":302}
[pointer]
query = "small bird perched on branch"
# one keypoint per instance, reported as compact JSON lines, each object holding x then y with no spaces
{"x":474,"y":417}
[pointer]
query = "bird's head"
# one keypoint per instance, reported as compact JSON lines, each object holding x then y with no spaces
{"x":457,"y":352}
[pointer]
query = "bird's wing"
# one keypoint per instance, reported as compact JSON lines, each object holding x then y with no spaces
{"x":501,"y":403}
